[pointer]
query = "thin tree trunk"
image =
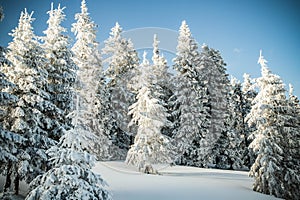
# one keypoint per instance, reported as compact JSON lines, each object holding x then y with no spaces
{"x":8,"y":177}
{"x":17,"y":182}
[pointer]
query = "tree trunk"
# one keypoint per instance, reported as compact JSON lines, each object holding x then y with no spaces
{"x":8,"y":177}
{"x":17,"y":182}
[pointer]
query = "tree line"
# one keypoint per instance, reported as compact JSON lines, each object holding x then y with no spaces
{"x":61,"y":110}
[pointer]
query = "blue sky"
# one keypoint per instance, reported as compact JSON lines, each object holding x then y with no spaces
{"x":238,"y":28}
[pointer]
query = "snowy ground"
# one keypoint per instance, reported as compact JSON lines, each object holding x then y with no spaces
{"x":177,"y":182}
{"x":174,"y":183}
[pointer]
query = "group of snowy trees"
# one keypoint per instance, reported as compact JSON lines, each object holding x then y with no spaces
{"x":60,"y":109}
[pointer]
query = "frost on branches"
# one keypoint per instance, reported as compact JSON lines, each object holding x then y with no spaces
{"x":161,"y":82}
{"x":150,"y":146}
{"x":30,"y":117}
{"x":9,"y":141}
{"x":291,"y":176}
{"x":231,"y":150}
{"x":189,"y":100}
{"x":61,"y":69}
{"x":87,"y":58}
{"x":215,"y":78}
{"x":71,"y":176}
{"x":122,"y":60}
{"x":268,"y":113}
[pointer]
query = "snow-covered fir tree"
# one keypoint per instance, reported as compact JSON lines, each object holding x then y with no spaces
{"x":71,"y":176}
{"x":215,"y":79}
{"x":232,"y":149}
{"x":30,"y":117}
{"x":249,"y":93}
{"x":267,"y":113}
{"x":122,"y":60}
{"x":150,"y":146}
{"x":189,"y":99}
{"x":291,"y":172}
{"x":87,"y":58}
{"x":61,"y":69}
{"x":161,"y":82}
{"x":9,"y":141}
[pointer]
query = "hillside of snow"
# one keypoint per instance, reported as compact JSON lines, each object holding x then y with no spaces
{"x":177,"y":182}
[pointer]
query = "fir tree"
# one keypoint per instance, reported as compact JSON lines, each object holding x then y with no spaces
{"x":189,"y":107}
{"x":30,"y":117}
{"x":150,"y":146}
{"x":87,"y":58}
{"x":291,"y":171}
{"x":71,"y":176}
{"x":9,"y":141}
{"x":61,"y":69}
{"x":267,"y":114}
{"x":122,"y":60}
{"x":161,"y":82}
{"x":235,"y":145}
{"x":248,"y":94}
{"x":215,"y":79}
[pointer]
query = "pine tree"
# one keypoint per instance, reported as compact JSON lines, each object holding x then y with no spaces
{"x":214,"y":76}
{"x":71,"y":176}
{"x":248,"y":95}
{"x":61,"y":69}
{"x":267,"y":114}
{"x":87,"y":58}
{"x":122,"y":60}
{"x":31,"y":116}
{"x":189,"y":100}
{"x":150,"y":146}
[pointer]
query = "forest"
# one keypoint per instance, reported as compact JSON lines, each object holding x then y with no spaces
{"x":61,"y":111}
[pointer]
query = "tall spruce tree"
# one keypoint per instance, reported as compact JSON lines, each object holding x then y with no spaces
{"x":30,"y":117}
{"x":189,"y":100}
{"x":291,"y":171}
{"x":214,"y":76}
{"x":150,"y":146}
{"x":9,"y":141}
{"x":122,"y":60}
{"x":231,"y":145}
{"x":61,"y":70}
{"x":161,"y":82}
{"x":249,"y":93}
{"x":87,"y":58}
{"x":267,"y":113}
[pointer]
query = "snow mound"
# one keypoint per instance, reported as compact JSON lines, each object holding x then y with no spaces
{"x":177,"y":182}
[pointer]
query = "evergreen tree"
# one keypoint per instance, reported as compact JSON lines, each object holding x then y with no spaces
{"x":122,"y":60}
{"x":214,"y":76}
{"x":61,"y":69}
{"x":190,"y":98}
{"x":30,"y":117}
{"x":248,"y":94}
{"x":87,"y":58}
{"x":291,"y":171}
{"x":9,"y":141}
{"x":71,"y":177}
{"x":267,"y":113}
{"x":150,"y":146}
{"x":235,"y":145}
{"x":161,"y":82}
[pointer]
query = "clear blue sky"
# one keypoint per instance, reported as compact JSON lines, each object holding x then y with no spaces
{"x":238,"y":28}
